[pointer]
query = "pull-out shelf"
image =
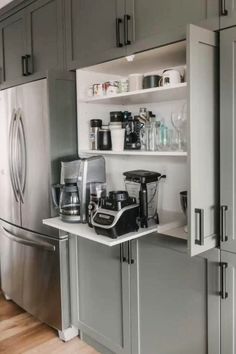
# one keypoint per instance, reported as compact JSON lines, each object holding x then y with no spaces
{"x":169,"y":220}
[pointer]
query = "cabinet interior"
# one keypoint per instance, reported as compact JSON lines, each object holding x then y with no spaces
{"x":173,"y":165}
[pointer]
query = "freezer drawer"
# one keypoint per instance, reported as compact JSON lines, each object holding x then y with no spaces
{"x":34,"y":274}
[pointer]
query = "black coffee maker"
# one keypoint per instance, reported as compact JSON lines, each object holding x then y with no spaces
{"x":143,"y":185}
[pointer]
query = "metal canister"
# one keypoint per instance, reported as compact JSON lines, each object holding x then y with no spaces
{"x":95,"y":126}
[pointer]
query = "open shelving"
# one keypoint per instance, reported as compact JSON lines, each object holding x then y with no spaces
{"x":136,"y":153}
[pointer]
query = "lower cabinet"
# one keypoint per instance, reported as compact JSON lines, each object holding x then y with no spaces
{"x":228,"y":302}
{"x":148,"y":297}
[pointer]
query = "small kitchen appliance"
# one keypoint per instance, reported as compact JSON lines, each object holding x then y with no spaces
{"x":117,"y":215}
{"x":143,"y":185}
{"x":74,"y":196}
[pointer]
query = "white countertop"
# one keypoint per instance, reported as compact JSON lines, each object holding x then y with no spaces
{"x":168,"y":220}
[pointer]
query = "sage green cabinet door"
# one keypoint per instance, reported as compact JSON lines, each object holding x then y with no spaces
{"x":228,"y":138}
{"x":228,"y":303}
{"x":91,"y":31}
{"x":175,"y":306}
{"x":158,"y":22}
{"x":103,"y":295}
{"x":12,"y":46}
{"x":45,"y":35}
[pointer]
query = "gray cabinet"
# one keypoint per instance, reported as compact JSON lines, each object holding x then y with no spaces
{"x":227,"y":137}
{"x":101,"y":309}
{"x":92,"y":31}
{"x":12,"y":46}
{"x":175,"y":305}
{"x":228,"y":302}
{"x":158,"y":22}
{"x":45,"y":35}
{"x":227,"y":13}
{"x":31,"y":42}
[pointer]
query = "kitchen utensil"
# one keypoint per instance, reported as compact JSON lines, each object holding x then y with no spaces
{"x":104,"y":138}
{"x":95,"y":125}
{"x":135,"y":82}
{"x":151,"y":81}
{"x":117,"y":138}
{"x":170,"y":77}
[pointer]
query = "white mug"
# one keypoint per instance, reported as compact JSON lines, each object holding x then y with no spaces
{"x":170,"y":77}
{"x":135,"y":82}
{"x":117,"y":139}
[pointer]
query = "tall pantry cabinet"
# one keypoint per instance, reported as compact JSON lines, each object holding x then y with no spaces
{"x":228,"y":185}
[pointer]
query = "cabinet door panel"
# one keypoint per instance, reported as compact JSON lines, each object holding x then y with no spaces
{"x":227,"y":137}
{"x":157,"y":22}
{"x":45,"y":36}
{"x":227,"y":13}
{"x":175,"y":305}
{"x":91,"y":31}
{"x":203,"y":155}
{"x":13,"y":46}
{"x":228,"y":306}
{"x":103,"y":295}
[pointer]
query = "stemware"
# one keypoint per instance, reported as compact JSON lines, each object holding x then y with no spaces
{"x":178,"y":120}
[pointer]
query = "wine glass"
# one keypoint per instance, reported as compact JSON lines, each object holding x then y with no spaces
{"x":178,"y":120}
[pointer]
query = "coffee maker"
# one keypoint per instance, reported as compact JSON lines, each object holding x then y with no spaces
{"x":72,"y":196}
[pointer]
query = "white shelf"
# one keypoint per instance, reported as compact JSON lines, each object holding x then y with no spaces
{"x":168,"y":220}
{"x":156,"y":94}
{"x":135,"y":153}
{"x":177,"y":232}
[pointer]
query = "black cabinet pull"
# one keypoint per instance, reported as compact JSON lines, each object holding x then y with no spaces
{"x":223,"y":233}
{"x":123,"y":258}
{"x":223,"y":293}
{"x":130,"y":257}
{"x":23,"y":65}
{"x":223,"y":11}
{"x":127,"y":18}
{"x":200,"y":240}
{"x":29,"y":70}
{"x":118,"y":42}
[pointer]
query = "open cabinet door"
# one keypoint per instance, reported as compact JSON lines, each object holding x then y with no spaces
{"x":203,"y":156}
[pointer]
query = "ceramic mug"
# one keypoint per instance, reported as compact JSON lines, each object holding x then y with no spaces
{"x":135,"y":82}
{"x":170,"y":77}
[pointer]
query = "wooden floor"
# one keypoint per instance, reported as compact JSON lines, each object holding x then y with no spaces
{"x":21,"y":333}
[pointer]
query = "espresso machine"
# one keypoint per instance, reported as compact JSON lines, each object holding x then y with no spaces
{"x":72,"y":196}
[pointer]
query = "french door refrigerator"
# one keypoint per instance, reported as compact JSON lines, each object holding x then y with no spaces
{"x":37,"y":130}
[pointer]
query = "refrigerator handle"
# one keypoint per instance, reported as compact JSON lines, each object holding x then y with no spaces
{"x":10,"y":155}
{"x":42,"y":245}
{"x":17,"y":147}
{"x":23,"y":151}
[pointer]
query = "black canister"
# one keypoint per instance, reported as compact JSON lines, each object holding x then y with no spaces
{"x":151,"y":81}
{"x":95,"y":126}
{"x":104,"y":137}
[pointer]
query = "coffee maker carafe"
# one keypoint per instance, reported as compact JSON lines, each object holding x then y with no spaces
{"x":72,"y":196}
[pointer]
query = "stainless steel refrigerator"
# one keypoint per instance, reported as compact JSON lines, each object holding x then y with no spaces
{"x":37,"y":130}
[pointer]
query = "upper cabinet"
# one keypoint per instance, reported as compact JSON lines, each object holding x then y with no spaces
{"x":227,"y":13}
{"x":94,"y":31}
{"x":31,"y":42}
{"x":156,"y":22}
{"x":12,"y":47}
{"x":104,"y":30}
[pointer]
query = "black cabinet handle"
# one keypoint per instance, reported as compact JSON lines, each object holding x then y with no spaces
{"x":123,"y":258}
{"x":223,"y":11}
{"x":118,"y":42}
{"x":223,"y":292}
{"x":200,"y":240}
{"x":130,"y":257}
{"x":29,"y":70}
{"x":23,"y":65}
{"x":223,"y":233}
{"x":127,"y":18}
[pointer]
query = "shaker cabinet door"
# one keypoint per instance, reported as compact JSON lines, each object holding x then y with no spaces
{"x":158,"y":22}
{"x":228,"y":138}
{"x":92,"y":31}
{"x":227,"y":13}
{"x":12,"y":47}
{"x":103,"y":295}
{"x":203,"y":155}
{"x":45,"y":35}
{"x":175,"y":306}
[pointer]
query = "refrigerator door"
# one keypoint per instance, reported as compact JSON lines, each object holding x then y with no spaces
{"x":34,"y":272}
{"x":34,"y":166}
{"x":9,"y":193}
